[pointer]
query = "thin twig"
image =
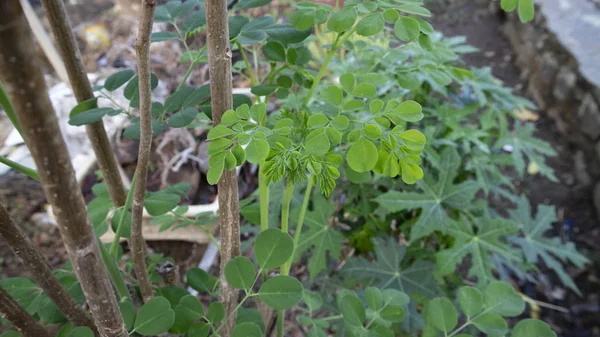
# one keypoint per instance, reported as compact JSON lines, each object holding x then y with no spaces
{"x":67,"y":45}
{"x":21,"y":319}
{"x":221,"y":93}
{"x":24,"y":81}
{"x":138,"y":246}
{"x":24,"y":248}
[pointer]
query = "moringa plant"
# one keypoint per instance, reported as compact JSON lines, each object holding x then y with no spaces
{"x":368,"y":109}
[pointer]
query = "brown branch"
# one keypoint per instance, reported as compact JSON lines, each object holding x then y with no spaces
{"x":24,"y":248}
{"x":138,"y":246}
{"x":21,"y":319}
{"x":67,"y":45}
{"x":219,"y":64}
{"x":20,"y":72}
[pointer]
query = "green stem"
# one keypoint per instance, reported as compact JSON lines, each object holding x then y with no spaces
{"x":6,"y":104}
{"x":280,"y":322}
{"x":114,"y":272}
{"x":247,"y":63}
{"x":187,"y":74}
{"x":263,"y":189}
{"x":120,"y":228}
{"x":285,"y":206}
{"x":286,"y":267}
{"x":334,"y":47}
{"x":31,"y":173}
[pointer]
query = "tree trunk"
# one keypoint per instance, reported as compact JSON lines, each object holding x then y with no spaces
{"x":20,"y":72}
{"x":23,"y":248}
{"x":21,"y":319}
{"x":219,"y":64}
{"x":71,"y":56}
{"x":138,"y":247}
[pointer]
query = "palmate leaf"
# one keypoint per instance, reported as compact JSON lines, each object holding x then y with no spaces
{"x":524,"y":144}
{"x":437,"y":196}
{"x":387,"y":272}
{"x":481,"y":240}
{"x":535,"y":246}
{"x":321,"y":236}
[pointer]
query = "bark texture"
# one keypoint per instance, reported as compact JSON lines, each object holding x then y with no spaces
{"x":35,"y":262}
{"x":71,"y":56}
{"x":21,"y":319}
{"x":219,"y":63}
{"x":138,"y":246}
{"x":20,"y":72}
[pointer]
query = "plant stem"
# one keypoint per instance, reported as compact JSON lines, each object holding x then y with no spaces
{"x":138,"y":246}
{"x":263,"y":190}
{"x":280,"y":322}
{"x":26,"y":86}
{"x":286,"y":267}
{"x":187,"y":74}
{"x":6,"y":104}
{"x":71,"y":56}
{"x":120,"y":228}
{"x":24,"y":249}
{"x":20,"y":168}
{"x":221,"y":93}
{"x":114,"y":272}
{"x":21,"y":319}
{"x":285,"y":206}
{"x":246,"y":63}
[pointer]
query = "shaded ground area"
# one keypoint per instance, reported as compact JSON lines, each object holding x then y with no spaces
{"x":572,"y":195}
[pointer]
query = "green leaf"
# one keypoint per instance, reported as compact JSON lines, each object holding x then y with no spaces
{"x":128,"y":312}
{"x":509,"y":5}
{"x":317,"y":121}
{"x":342,"y":20}
{"x":159,"y":203}
{"x":526,"y":10}
{"x":219,"y":131}
{"x":407,"y":28}
{"x":374,"y":298}
{"x":532,"y":328}
{"x":436,"y":197}
{"x":200,"y":329}
{"x":163,"y":36}
{"x":387,"y":271}
{"x":365,"y":90}
{"x":274,"y":51}
{"x":312,"y":299}
{"x":501,"y":298}
{"x":86,"y":105}
{"x":281,"y":292}
{"x":247,"y":4}
{"x":117,"y":79}
{"x":183,"y":118}
{"x":263,"y":89}
{"x":257,"y":151}
{"x":273,"y":248}
{"x":254,"y":31}
{"x":12,"y":333}
{"x":481,"y":240}
{"x":303,"y":19}
{"x":362,"y":156}
{"x":194,"y":21}
{"x":353,"y":310}
{"x":236,"y":24}
{"x":348,"y":81}
{"x":287,"y":34}
{"x":81,"y":331}
{"x":340,"y":122}
{"x":470,"y":300}
{"x":200,"y":280}
{"x":332,"y":95}
{"x":154,"y":317}
{"x":187,"y":311}
{"x":491,"y":324}
{"x":240,"y":273}
{"x":216,"y":312}
{"x":91,"y":116}
{"x":441,"y":313}
{"x":324,"y":238}
{"x":215,"y":171}
{"x":247,"y":329}
{"x":414,"y":9}
{"x":317,"y":143}
{"x":370,"y":25}
{"x":390,"y":15}
{"x":552,"y":251}
{"x":372,"y":131}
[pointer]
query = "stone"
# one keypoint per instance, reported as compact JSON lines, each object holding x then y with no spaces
{"x":565,"y":83}
{"x":549,"y":69}
{"x":581,"y":171}
{"x":597,"y":199}
{"x":589,"y":116}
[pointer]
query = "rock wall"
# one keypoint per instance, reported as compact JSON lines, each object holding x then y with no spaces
{"x":559,"y":54}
